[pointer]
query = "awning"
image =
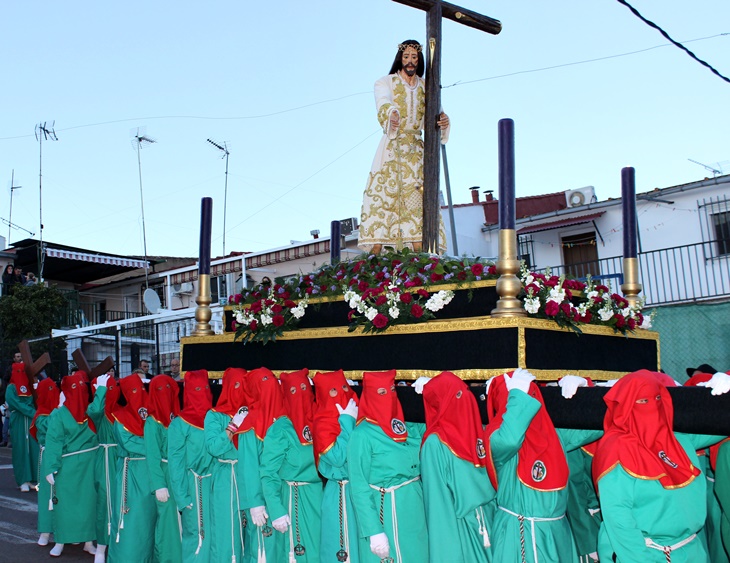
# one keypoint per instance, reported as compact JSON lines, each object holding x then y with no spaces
{"x":95,"y":258}
{"x":258,"y":261}
{"x":548,"y":225}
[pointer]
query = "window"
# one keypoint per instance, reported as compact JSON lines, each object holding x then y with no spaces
{"x":721,"y":228}
{"x":525,"y":250}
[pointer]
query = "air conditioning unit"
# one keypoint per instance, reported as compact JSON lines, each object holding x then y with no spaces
{"x":185,"y":288}
{"x":581,"y":196}
{"x":348,"y":225}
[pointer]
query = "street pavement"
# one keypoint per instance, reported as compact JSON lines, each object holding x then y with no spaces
{"x":18,"y":520}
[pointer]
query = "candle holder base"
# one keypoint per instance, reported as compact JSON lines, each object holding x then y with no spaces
{"x":203,"y":313}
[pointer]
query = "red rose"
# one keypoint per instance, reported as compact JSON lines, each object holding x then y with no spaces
{"x":357,"y":267}
{"x":290,"y":304}
{"x":587,"y":318}
{"x":269,"y":302}
{"x":532,"y":287}
{"x":350,"y":314}
{"x":362,"y":286}
{"x":436,"y":277}
{"x":309,"y":290}
{"x":565,"y":308}
{"x":380,"y":321}
{"x":620,"y":321}
{"x":416,"y":310}
{"x":552,"y":282}
{"x":631,"y":324}
{"x":410,"y":283}
{"x":598,"y":301}
{"x":253,"y":326}
{"x":492,"y":270}
{"x":639,"y":319}
{"x":552,"y":308}
{"x":256,"y":307}
{"x":406,"y":297}
{"x":568,"y":293}
{"x":323,"y":288}
{"x":461,"y":276}
{"x":423,"y":293}
{"x":278,"y":320}
{"x":382,"y":300}
{"x":379,"y":275}
{"x":602,"y":288}
{"x":352,"y":282}
{"x":276,"y":308}
{"x":477,"y":269}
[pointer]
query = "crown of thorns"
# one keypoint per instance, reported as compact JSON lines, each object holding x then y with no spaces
{"x":404,"y":46}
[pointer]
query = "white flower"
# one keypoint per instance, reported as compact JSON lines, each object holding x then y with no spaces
{"x":532,"y":305}
{"x":239,"y":317}
{"x":605,"y":313}
{"x":371,"y":313}
{"x":298,"y":311}
{"x":394,"y":312}
{"x":627,"y":312}
{"x":265,"y":319}
{"x":557,"y":295}
{"x":529,"y":279}
{"x":350,"y":295}
{"x":646,"y":323}
{"x":591,"y":294}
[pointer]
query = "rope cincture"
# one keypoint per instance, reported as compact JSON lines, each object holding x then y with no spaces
{"x":198,"y":480}
{"x":667,"y":549}
{"x":393,"y":514}
{"x":343,"y":554}
{"x":123,"y":507}
{"x":532,"y":519}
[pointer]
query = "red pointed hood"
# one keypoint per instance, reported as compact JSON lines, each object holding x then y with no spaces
{"x":164,"y":399}
{"x":132,"y":415}
{"x":331,"y":389}
{"x":197,"y":398}
{"x":379,"y":404}
{"x":47,"y":395}
{"x":299,"y":403}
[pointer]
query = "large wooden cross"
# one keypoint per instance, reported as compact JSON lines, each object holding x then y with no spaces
{"x":102,"y":367}
{"x":32,"y":368}
{"x":436,"y":10}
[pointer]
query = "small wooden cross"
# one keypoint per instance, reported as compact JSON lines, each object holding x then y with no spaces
{"x":104,"y":366}
{"x":32,"y":368}
{"x":436,"y":10}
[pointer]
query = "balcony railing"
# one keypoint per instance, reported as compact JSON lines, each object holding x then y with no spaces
{"x":682,"y":274}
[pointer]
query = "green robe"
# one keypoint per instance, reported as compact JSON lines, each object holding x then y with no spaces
{"x":167,"y":528}
{"x":106,"y":463}
{"x":553,"y":539}
{"x":375,"y":459}
{"x":584,"y":513}
{"x":45,"y":516}
{"x":635,"y":509}
{"x":711,"y":534}
{"x":456,"y":496}
{"x":133,"y":531}
{"x":25,"y":449}
{"x":285,"y":460}
{"x":251,"y":494}
{"x":70,"y":454}
{"x":722,"y":490}
{"x":333,"y":467}
{"x":190,"y":478}
{"x":225,"y":517}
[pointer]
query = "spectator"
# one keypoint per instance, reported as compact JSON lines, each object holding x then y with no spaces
{"x":144,"y":365}
{"x":30,"y":279}
{"x":174,"y":371}
{"x":8,"y":279}
{"x":19,"y":276}
{"x":17,"y":358}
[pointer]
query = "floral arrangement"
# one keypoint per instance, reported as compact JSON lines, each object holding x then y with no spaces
{"x":552,"y":297}
{"x":379,"y":308}
{"x":268,"y":316}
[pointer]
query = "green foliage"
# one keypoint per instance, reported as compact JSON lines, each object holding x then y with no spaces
{"x":30,"y":312}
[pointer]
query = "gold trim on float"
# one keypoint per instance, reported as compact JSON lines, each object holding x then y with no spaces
{"x":521,"y":347}
{"x":464,"y":374}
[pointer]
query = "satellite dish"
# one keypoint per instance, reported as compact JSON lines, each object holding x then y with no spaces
{"x":151,"y":300}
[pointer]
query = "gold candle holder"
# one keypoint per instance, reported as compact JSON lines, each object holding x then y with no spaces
{"x":631,"y":286}
{"x":203,"y":313}
{"x":508,"y":284}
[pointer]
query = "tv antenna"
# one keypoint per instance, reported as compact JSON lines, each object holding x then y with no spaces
{"x":46,"y":132}
{"x":13,"y":187}
{"x":715,"y":171}
{"x":224,"y":149}
{"x":14,"y":226}
{"x":139,"y":141}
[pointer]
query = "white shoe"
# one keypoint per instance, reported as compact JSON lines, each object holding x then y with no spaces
{"x":43,"y":540}
{"x":89,"y":548}
{"x":57,"y":550}
{"x":25,"y":488}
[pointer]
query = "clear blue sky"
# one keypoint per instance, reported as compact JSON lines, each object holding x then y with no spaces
{"x":288,"y":85}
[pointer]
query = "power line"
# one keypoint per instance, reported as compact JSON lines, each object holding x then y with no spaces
{"x":675,"y":43}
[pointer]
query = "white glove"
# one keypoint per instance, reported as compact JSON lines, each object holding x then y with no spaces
{"x":569,"y":385}
{"x":259,"y":515}
{"x":719,"y":383}
{"x":521,"y":379}
{"x":379,"y":545}
{"x":349,"y":410}
{"x":281,"y":524}
{"x":163,"y":495}
{"x":51,"y":479}
{"x":35,"y":385}
{"x":420,"y":383}
{"x":61,"y":399}
{"x":609,"y":383}
{"x":102,"y":380}
{"x":239,"y":417}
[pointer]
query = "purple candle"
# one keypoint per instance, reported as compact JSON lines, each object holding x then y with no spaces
{"x":506,"y":174}
{"x":628,"y":204}
{"x":335,"y":233}
{"x":206,"y":225}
